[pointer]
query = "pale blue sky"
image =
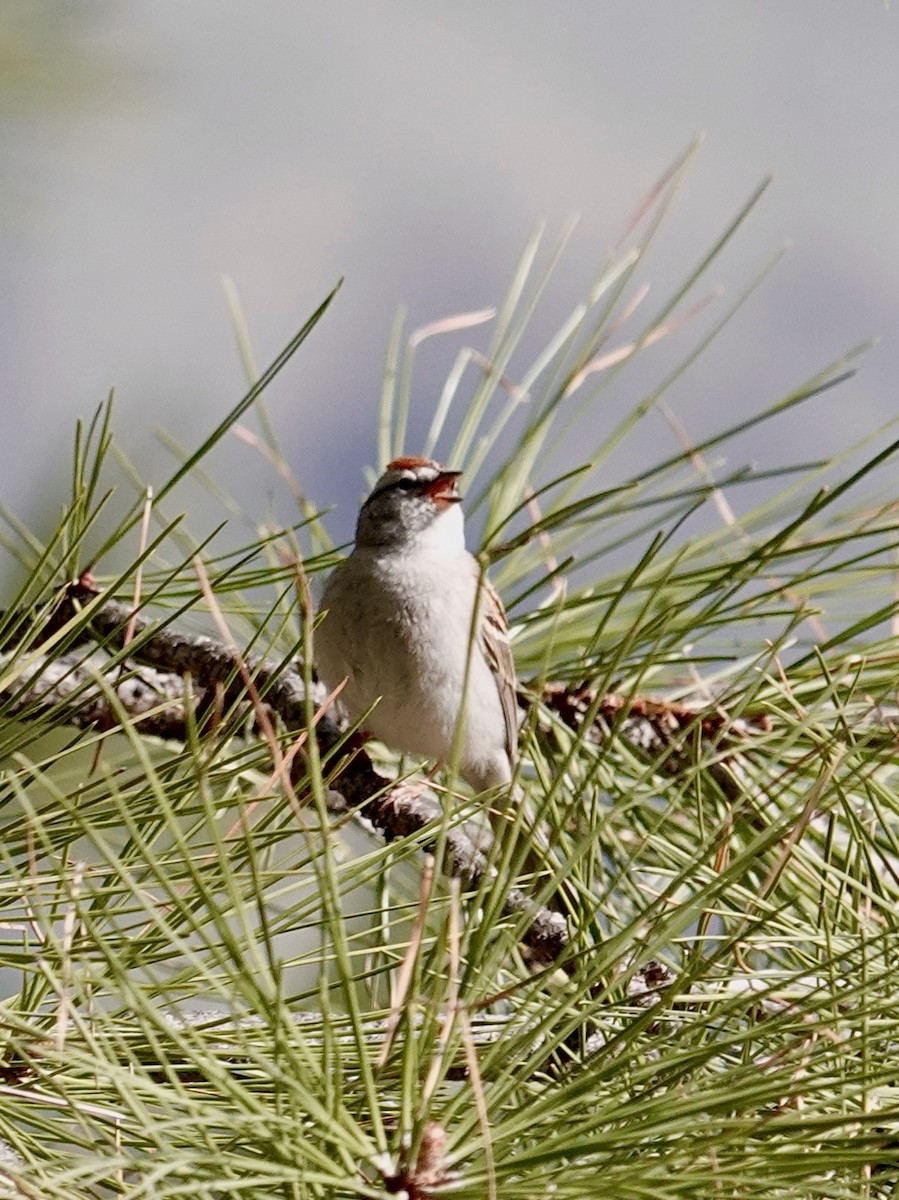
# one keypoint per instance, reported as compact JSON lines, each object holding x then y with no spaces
{"x":411,"y":147}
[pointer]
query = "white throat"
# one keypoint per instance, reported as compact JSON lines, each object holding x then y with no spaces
{"x":445,"y":534}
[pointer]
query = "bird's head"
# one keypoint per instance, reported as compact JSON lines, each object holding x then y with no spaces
{"x":415,"y":499}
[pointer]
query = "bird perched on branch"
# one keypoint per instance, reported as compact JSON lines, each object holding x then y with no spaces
{"x":418,"y":633}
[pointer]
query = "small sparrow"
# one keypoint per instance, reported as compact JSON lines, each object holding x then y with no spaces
{"x":418,"y":633}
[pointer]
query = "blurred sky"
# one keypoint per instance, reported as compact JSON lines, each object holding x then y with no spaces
{"x":412,"y":147}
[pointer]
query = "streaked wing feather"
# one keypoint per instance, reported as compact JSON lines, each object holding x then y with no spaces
{"x":495,"y":645}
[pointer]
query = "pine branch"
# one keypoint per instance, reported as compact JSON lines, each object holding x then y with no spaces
{"x":150,"y":685}
{"x":145,"y":667}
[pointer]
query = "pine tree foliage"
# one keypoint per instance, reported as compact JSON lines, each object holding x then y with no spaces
{"x":215,"y":984}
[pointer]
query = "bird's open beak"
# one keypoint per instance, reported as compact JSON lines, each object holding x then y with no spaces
{"x":443,"y":489}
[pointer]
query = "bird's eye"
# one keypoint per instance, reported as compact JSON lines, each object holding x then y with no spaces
{"x":406,"y":485}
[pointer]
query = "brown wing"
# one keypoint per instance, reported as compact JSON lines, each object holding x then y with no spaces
{"x":494,"y":640}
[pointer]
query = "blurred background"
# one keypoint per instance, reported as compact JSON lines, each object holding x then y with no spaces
{"x":412,"y":148}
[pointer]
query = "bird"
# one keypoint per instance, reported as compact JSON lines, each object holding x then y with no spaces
{"x":416,"y":635}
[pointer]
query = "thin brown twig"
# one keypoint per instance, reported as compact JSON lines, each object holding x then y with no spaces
{"x":545,"y":541}
{"x":729,"y":518}
{"x":276,"y":460}
{"x":602,"y":362}
{"x":261,"y":711}
{"x":471,"y":1059}
{"x":282,"y":768}
{"x":651,"y":198}
{"x":453,"y":324}
{"x":407,"y":967}
{"x":492,"y":371}
{"x":451,"y":1008}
